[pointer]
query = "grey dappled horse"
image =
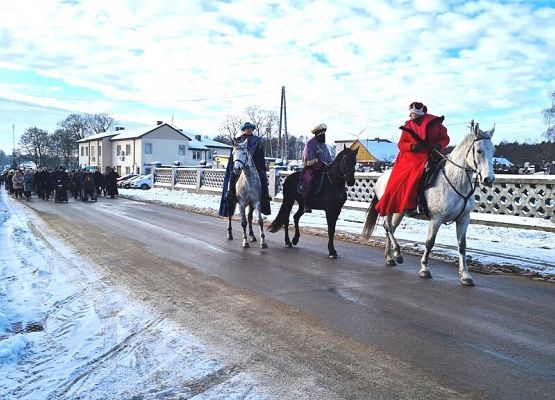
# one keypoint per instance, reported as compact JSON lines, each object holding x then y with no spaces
{"x":450,"y":199}
{"x":249,"y":190}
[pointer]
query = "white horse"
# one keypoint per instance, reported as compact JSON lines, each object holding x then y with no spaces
{"x":451,"y":199}
{"x":249,"y":189}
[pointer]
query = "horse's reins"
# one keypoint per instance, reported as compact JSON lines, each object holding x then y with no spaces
{"x":473,"y":185}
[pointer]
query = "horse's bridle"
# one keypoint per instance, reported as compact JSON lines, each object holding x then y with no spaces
{"x":468,"y":171}
{"x":244,"y":163}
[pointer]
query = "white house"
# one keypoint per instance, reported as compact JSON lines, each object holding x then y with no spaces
{"x":134,"y":150}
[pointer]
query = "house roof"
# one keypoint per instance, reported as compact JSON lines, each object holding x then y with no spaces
{"x":98,"y":136}
{"x":215,"y":143}
{"x":136,"y":133}
{"x":502,"y":161}
{"x":382,"y":150}
{"x":196,"y":145}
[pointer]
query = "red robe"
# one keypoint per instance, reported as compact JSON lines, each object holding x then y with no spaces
{"x":401,"y":192}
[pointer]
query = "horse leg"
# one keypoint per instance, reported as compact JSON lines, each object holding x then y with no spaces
{"x":244,"y":226}
{"x":251,"y":232}
{"x":395,"y":221}
{"x":430,"y":241}
{"x":462,"y":225}
{"x":263,"y":244}
{"x":387,"y":224}
{"x":331,"y":217}
{"x":296,"y":219}
{"x":229,"y":232}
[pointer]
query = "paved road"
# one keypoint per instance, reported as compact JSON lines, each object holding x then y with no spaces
{"x":360,"y":329}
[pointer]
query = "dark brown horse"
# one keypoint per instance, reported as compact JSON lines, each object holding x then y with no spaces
{"x":330,"y":198}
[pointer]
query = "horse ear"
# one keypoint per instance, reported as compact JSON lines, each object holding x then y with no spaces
{"x":356,"y":150}
{"x":344,"y":146}
{"x":476,"y":130}
{"x":490,"y":133}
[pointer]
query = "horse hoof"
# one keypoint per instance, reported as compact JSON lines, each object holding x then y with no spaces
{"x":288,"y":245}
{"x":253,"y":239}
{"x":264,"y":246}
{"x":399,"y":260}
{"x":390,"y":263}
{"x":333,"y":256}
{"x":229,"y":237}
{"x":467,"y":282}
{"x":295,"y":241}
{"x":425,"y":274}
{"x":246,"y":245}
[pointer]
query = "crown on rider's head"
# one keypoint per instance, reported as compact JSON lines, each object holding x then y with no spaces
{"x":418,"y":108}
{"x":319,"y":129}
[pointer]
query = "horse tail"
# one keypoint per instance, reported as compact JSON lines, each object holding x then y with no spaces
{"x":371,"y":218}
{"x":279,"y":221}
{"x":289,"y":188}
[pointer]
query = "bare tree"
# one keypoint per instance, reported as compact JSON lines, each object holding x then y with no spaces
{"x":230,"y":127}
{"x":549,"y":116}
{"x":97,"y":123}
{"x":267,"y":122}
{"x":64,"y":146}
{"x":36,"y":143}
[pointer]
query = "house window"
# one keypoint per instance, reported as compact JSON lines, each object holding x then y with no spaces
{"x":118,"y":150}
{"x":148,"y":148}
{"x":92,"y":151}
{"x":82,"y":151}
{"x":209,"y":155}
{"x":196,"y":155}
{"x":86,"y":151}
{"x":127,"y":149}
{"x":127,"y":170}
{"x":99,"y":150}
{"x":181,"y":149}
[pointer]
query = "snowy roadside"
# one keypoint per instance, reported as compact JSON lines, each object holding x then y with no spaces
{"x":65,"y":333}
{"x":489,"y":248}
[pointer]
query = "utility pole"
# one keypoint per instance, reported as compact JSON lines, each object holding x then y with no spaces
{"x":14,"y":164}
{"x":282,"y":140}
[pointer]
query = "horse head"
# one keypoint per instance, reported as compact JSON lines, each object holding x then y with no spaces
{"x":480,"y":156}
{"x":240,"y":156}
{"x":348,"y":159}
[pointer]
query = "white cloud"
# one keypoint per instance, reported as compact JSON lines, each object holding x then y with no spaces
{"x":483,"y":57}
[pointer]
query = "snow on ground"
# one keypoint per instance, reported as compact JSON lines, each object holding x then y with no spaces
{"x":523,"y":249}
{"x":65,"y":333}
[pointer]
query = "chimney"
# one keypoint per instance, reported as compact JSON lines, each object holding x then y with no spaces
{"x":159,"y":122}
{"x":197,"y":137}
{"x":377,"y":139}
{"x":120,"y":128}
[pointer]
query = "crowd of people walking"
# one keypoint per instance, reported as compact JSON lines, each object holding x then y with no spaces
{"x":54,"y":184}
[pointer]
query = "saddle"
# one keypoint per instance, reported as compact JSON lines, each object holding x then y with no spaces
{"x":429,"y":179}
{"x":316,"y":184}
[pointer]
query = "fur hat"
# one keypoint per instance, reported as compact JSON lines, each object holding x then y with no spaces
{"x":319,"y":129}
{"x":248,"y":125}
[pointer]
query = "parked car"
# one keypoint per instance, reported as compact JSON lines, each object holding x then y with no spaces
{"x":121,"y":180}
{"x":127,"y":184}
{"x":143,"y":182}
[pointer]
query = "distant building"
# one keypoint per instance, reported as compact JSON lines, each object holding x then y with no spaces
{"x":371,"y":152}
{"x":501,"y":164}
{"x":134,"y":150}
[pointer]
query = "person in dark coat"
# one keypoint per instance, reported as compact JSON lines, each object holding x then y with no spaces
{"x":98,"y":181}
{"x":110,"y":182}
{"x":28,"y":183}
{"x":255,"y":147}
{"x":76,"y":183}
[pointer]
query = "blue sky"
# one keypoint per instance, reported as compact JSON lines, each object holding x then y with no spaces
{"x":352,"y":65}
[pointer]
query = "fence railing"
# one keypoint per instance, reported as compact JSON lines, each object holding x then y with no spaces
{"x":514,"y":195}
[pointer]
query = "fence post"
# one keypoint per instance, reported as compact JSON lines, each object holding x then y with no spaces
{"x":200,"y":174}
{"x":173,"y":177}
{"x":153,"y":173}
{"x":272,"y":186}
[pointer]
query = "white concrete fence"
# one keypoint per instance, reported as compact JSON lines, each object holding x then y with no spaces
{"x":511,"y":195}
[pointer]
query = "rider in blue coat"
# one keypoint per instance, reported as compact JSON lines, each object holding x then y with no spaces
{"x":256,"y":149}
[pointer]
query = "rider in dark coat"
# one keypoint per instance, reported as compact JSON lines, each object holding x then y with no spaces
{"x":110,"y":182}
{"x":98,"y":181}
{"x":256,"y":149}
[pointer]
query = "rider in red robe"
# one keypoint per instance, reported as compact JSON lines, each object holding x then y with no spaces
{"x":421,"y":135}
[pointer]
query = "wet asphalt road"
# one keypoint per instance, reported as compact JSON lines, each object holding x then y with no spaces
{"x":496,"y":339}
